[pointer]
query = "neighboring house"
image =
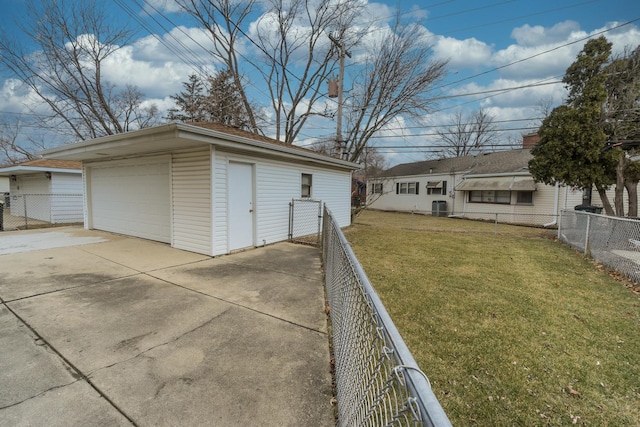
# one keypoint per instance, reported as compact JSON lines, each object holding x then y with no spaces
{"x":416,"y":187}
{"x":205,"y":188}
{"x":45,"y":190}
{"x":4,"y":185}
{"x":477,"y":187}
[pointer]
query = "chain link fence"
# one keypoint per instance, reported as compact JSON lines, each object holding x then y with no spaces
{"x":305,"y":221}
{"x":611,"y":241}
{"x":526,"y":219}
{"x":24,"y":211}
{"x":378,"y":382}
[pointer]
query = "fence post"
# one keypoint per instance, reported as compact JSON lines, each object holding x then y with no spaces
{"x":559,"y":224}
{"x":291,"y":220}
{"x":1,"y":216}
{"x":586,"y":236}
{"x":495,"y":228}
{"x":26,"y":217}
{"x":319,"y":220}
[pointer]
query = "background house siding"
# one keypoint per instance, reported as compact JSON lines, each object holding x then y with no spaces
{"x":421,"y":202}
{"x":30,"y":192}
{"x":191,"y":200}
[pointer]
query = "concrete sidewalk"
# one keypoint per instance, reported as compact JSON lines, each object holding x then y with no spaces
{"x":124,"y":331}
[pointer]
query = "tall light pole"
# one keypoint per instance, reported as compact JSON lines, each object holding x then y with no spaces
{"x":341,"y":147}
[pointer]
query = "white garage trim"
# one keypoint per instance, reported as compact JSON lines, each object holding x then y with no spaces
{"x":131,"y":197}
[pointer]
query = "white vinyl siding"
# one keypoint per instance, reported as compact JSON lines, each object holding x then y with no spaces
{"x":220,"y":205}
{"x":331,"y":187}
{"x":30,"y":193}
{"x":388,"y":200}
{"x":132,"y":197}
{"x":191,"y":200}
{"x":66,"y":209}
{"x":276,"y":185}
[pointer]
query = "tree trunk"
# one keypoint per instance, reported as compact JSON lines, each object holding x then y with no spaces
{"x":608,"y":210}
{"x":632,"y":191}
{"x":619,"y":190}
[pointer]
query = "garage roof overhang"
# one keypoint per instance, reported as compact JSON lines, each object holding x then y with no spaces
{"x":498,"y":183}
{"x":176,"y":136}
{"x":29,"y":170}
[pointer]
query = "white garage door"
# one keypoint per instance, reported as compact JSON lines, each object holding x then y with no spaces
{"x":132,"y":198}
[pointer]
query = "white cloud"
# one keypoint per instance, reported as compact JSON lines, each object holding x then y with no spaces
{"x":537,"y":35}
{"x":468,"y":53}
{"x":169,"y":6}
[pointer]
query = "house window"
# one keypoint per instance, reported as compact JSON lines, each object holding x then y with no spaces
{"x":436,"y":187}
{"x":376,"y":188}
{"x":524,"y":197}
{"x":407,"y":187}
{"x":490,"y":196}
{"x":306,"y":185}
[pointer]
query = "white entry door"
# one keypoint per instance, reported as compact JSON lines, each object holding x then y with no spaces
{"x":241,"y":212}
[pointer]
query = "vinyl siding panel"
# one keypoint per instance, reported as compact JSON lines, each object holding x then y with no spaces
{"x":334,"y":189}
{"x":30,"y":197}
{"x":220,"y":206}
{"x":67,"y":201}
{"x":191,"y":200}
{"x":421,"y":202}
{"x":276,"y":186}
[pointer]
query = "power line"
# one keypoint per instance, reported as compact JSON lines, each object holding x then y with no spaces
{"x":540,"y":53}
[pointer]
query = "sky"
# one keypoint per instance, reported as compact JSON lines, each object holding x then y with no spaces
{"x":491,"y":45}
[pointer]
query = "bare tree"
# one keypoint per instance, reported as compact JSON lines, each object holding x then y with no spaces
{"x":11,"y":150}
{"x":396,"y":80}
{"x":467,"y":136}
{"x":223,"y":19}
{"x":302,"y":41}
{"x":73,"y":39}
{"x":373,"y":162}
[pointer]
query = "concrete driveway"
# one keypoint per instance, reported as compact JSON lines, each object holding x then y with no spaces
{"x":106,"y":330}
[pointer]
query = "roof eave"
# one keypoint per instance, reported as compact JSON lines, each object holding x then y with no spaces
{"x":118,"y":144}
{"x":25,"y":170}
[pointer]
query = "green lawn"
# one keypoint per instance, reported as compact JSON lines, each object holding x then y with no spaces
{"x":513,"y":328}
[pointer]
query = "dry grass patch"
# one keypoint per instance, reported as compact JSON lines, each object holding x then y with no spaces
{"x":512,"y":328}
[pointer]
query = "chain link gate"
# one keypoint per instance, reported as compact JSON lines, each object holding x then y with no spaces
{"x":305,"y":221}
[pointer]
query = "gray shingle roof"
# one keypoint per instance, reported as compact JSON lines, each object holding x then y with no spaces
{"x":454,"y":164}
{"x":490,"y":163}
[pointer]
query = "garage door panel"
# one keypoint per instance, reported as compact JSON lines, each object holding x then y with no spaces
{"x":132,"y":199}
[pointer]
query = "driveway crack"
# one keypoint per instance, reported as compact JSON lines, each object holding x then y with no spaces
{"x":38,"y":394}
{"x":76,"y":372}
{"x":172,"y":340}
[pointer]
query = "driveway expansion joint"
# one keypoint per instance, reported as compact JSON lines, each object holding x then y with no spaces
{"x":79,"y":375}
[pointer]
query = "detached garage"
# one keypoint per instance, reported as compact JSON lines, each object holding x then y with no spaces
{"x":205,"y":188}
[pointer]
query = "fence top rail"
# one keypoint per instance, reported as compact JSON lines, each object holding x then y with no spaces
{"x":46,"y":194}
{"x":434,"y":414}
{"x":613,"y":218}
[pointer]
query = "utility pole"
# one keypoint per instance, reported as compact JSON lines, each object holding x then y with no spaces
{"x":340,"y":146}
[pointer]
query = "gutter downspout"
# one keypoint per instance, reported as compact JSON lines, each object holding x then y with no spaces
{"x":555,"y":207}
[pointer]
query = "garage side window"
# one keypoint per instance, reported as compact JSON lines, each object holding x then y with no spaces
{"x":306,"y":185}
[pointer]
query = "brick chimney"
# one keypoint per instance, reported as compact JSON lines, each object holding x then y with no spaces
{"x":530,"y":140}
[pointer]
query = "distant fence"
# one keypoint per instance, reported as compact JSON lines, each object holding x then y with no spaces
{"x":612,"y":241}
{"x":24,"y":211}
{"x":378,"y":382}
{"x":531,"y":220}
{"x":305,"y":221}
